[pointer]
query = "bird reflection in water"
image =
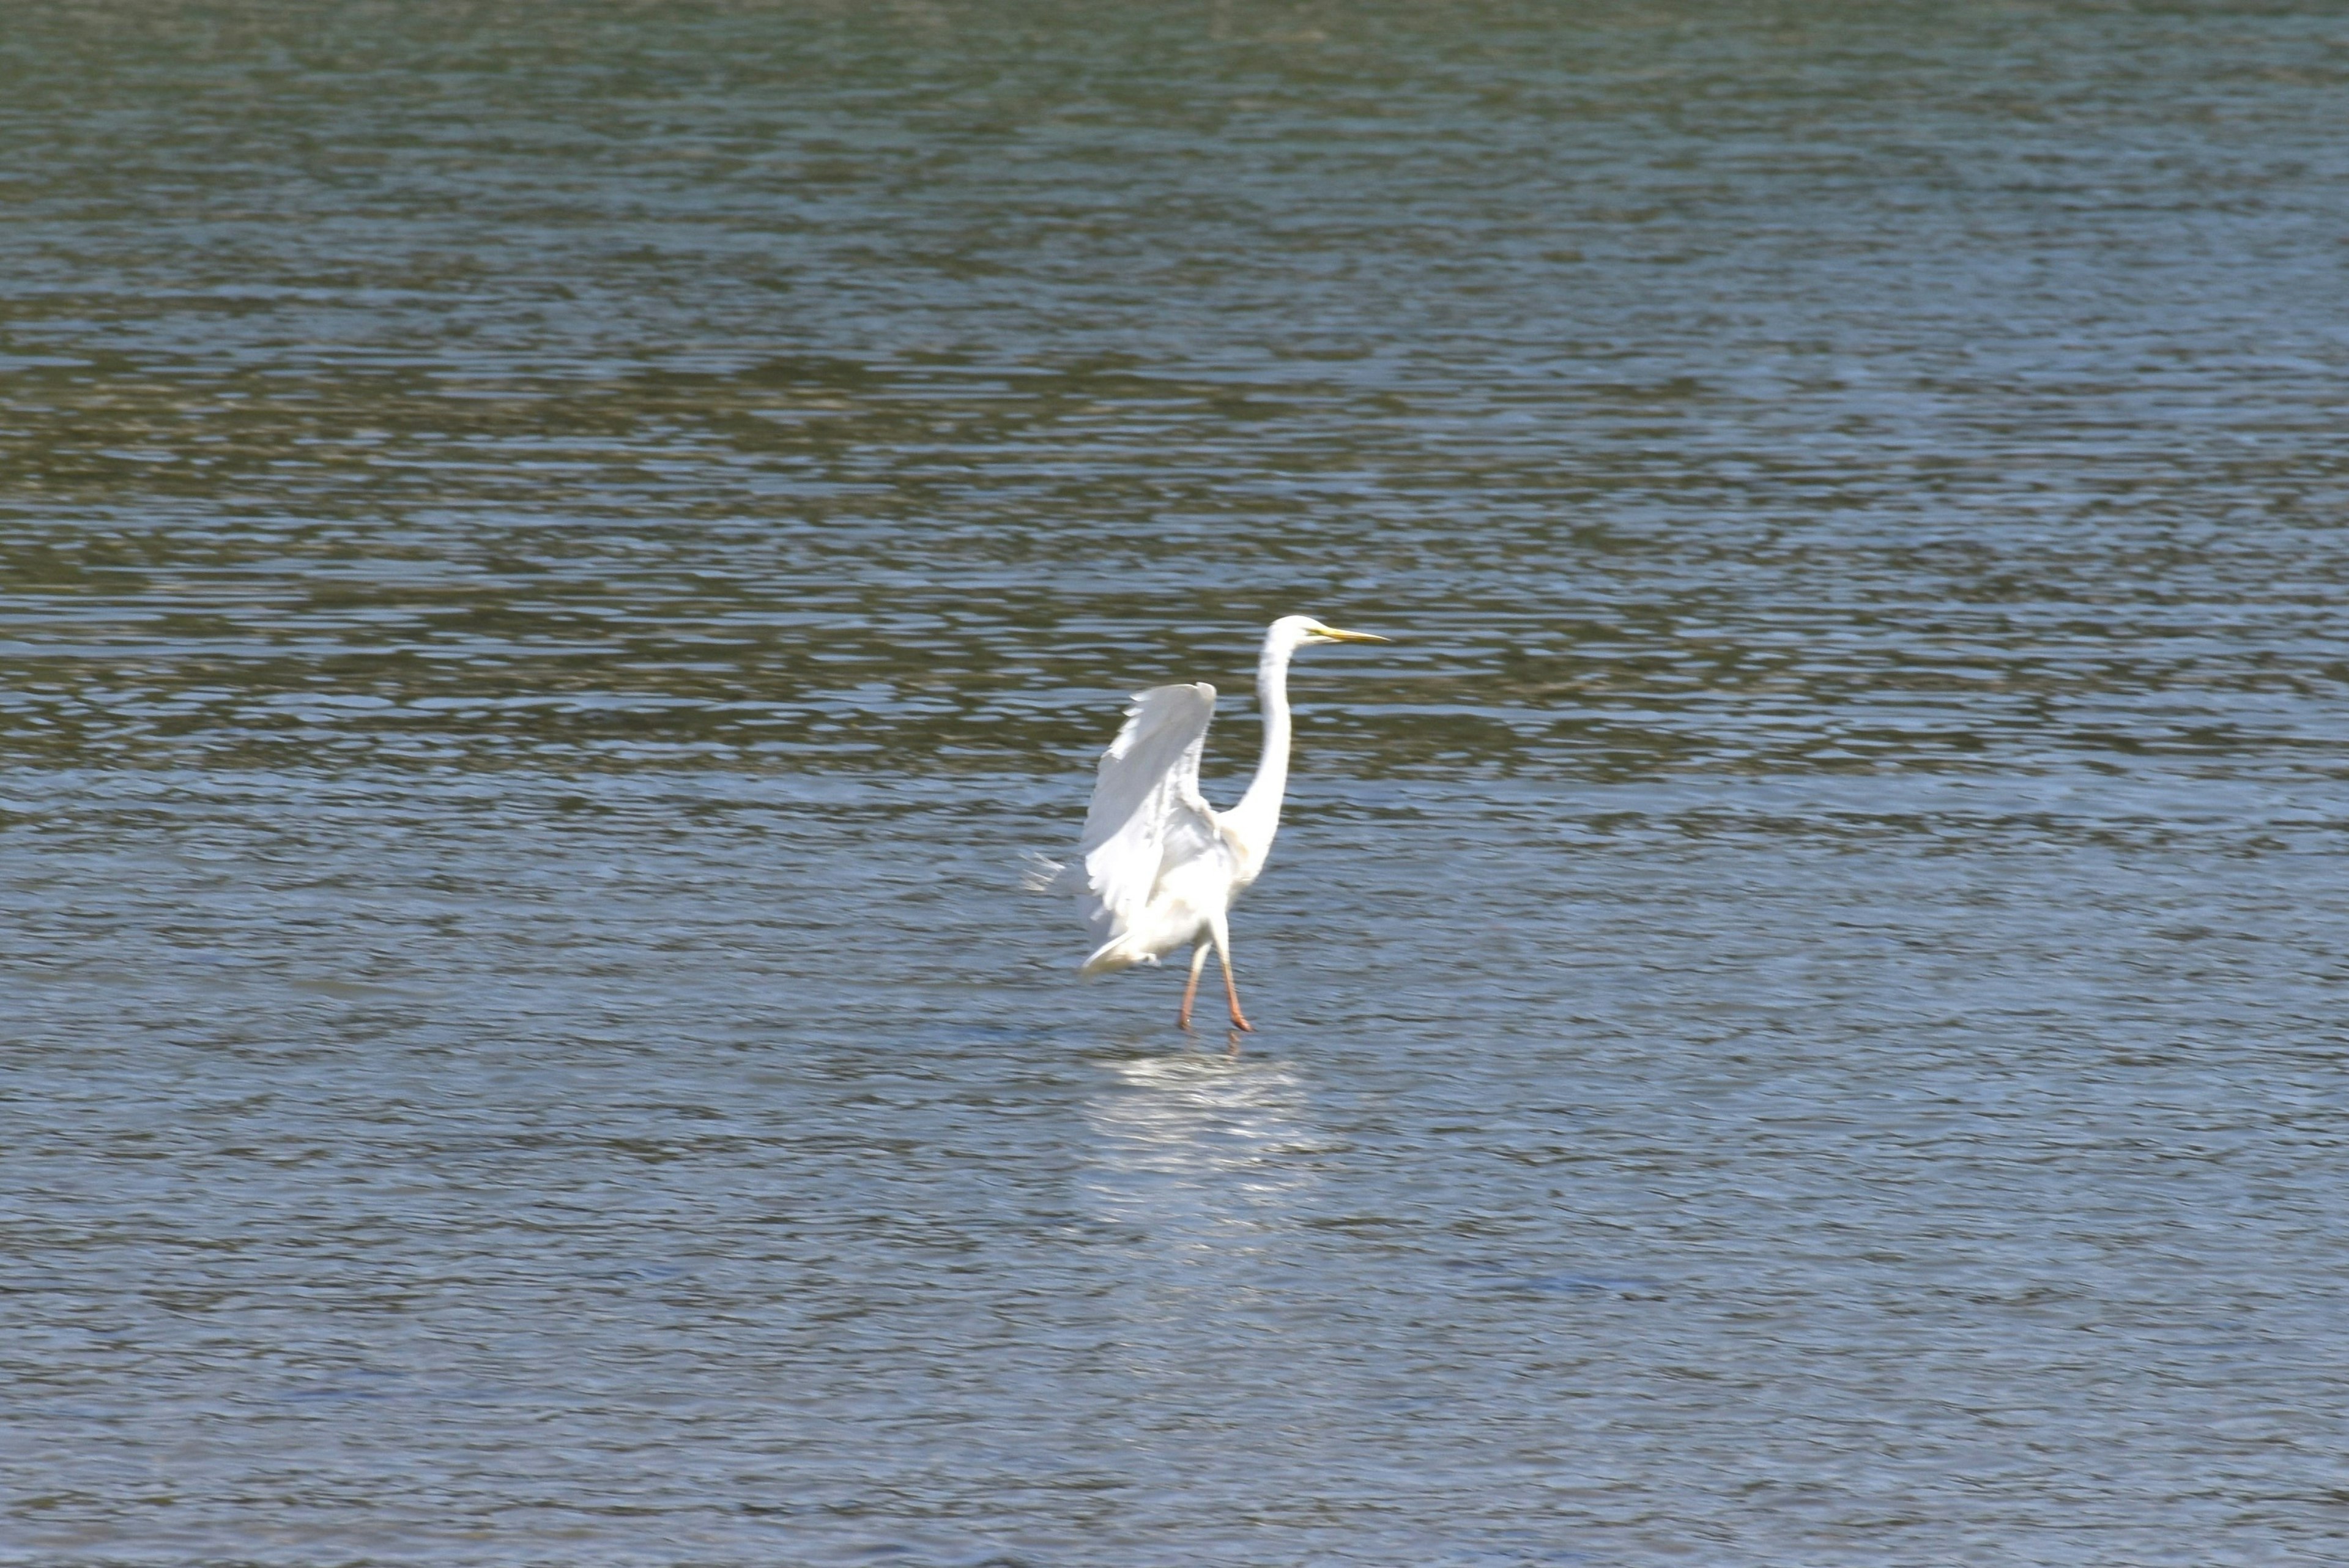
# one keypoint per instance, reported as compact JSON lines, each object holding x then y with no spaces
{"x":1201,"y":1146}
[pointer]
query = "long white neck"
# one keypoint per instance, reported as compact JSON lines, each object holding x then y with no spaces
{"x":1258,"y":817}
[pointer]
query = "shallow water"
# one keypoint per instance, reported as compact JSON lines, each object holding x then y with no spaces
{"x":552,"y":563}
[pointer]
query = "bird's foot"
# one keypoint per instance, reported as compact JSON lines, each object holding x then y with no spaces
{"x":1242,"y":1024}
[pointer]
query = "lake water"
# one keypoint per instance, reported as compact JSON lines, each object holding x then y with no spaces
{"x":554,"y":559}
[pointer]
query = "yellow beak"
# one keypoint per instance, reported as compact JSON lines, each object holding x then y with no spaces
{"x":1334,"y":635}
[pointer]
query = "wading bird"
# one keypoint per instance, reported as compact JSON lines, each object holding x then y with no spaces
{"x":1158,"y":867}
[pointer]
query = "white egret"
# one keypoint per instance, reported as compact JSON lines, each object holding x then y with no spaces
{"x":1157,"y":867}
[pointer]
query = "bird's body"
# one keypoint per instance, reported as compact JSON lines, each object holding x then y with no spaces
{"x":1157,"y":868}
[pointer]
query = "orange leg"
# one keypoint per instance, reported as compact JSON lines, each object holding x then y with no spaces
{"x":1191,"y":991}
{"x":1231,"y":991}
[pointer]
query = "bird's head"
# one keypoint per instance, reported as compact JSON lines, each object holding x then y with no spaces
{"x":1304,"y":631}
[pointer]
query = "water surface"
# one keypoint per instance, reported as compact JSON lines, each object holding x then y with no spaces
{"x":552,"y":561}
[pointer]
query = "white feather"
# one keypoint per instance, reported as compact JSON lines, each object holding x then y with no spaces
{"x":1157,"y":868}
{"x":1148,"y":825}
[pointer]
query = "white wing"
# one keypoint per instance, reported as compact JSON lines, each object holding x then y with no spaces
{"x":1147,"y":814}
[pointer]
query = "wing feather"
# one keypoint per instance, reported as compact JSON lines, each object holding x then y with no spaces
{"x":1147,"y":814}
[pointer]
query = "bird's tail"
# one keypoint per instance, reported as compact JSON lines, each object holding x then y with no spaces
{"x":1120,"y":951}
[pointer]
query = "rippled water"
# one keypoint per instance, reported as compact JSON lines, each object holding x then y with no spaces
{"x":552,"y":560}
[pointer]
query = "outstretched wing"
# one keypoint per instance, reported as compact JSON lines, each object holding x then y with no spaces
{"x":1147,"y":812}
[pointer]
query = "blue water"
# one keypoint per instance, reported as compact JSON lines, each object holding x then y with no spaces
{"x":554,"y":563}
